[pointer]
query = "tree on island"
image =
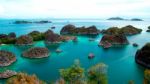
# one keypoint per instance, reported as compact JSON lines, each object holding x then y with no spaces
{"x":23,"y":78}
{"x":98,"y":74}
{"x":73,"y":74}
{"x":146,"y":76}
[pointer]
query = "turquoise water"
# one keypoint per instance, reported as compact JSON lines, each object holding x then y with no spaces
{"x":122,"y":66}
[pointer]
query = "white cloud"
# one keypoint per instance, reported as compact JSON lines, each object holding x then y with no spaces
{"x":73,"y":8}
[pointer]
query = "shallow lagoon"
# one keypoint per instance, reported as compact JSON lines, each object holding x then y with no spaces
{"x":122,"y":66}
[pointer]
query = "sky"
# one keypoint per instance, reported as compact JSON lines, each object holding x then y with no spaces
{"x":74,"y":8}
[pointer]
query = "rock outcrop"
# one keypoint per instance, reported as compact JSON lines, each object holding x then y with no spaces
{"x":142,"y":56}
{"x":37,"y":52}
{"x":127,"y":30}
{"x":51,"y":37}
{"x":7,"y":74}
{"x":135,"y":44}
{"x":24,"y":40}
{"x":6,"y":58}
{"x":73,"y":30}
{"x":111,"y":40}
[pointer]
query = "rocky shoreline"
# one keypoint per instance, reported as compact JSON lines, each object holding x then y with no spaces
{"x":36,"y":52}
{"x":7,"y":74}
{"x":6,"y":58}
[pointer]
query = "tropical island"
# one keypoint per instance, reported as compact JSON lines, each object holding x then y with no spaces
{"x":24,"y":40}
{"x":117,"y":36}
{"x":127,"y":30}
{"x":113,"y":40}
{"x":36,"y":52}
{"x":73,"y":30}
{"x":6,"y":58}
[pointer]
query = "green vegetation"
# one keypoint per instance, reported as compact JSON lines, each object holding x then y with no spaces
{"x":131,"y":82}
{"x":36,"y":35}
{"x":98,"y":74}
{"x":74,"y":74}
{"x":23,"y":78}
{"x":8,"y":40}
{"x":73,"y":30}
{"x":127,"y":30}
{"x":147,"y":77}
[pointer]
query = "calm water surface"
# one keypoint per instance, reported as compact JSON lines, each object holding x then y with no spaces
{"x":122,"y":66}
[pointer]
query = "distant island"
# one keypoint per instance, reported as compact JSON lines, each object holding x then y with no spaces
{"x":30,"y":22}
{"x":136,"y":19}
{"x":115,"y":18}
{"x":119,"y":18}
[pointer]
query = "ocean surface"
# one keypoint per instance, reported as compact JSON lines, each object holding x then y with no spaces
{"x":120,"y":60}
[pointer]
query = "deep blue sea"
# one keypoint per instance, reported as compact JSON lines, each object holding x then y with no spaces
{"x":120,"y":60}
